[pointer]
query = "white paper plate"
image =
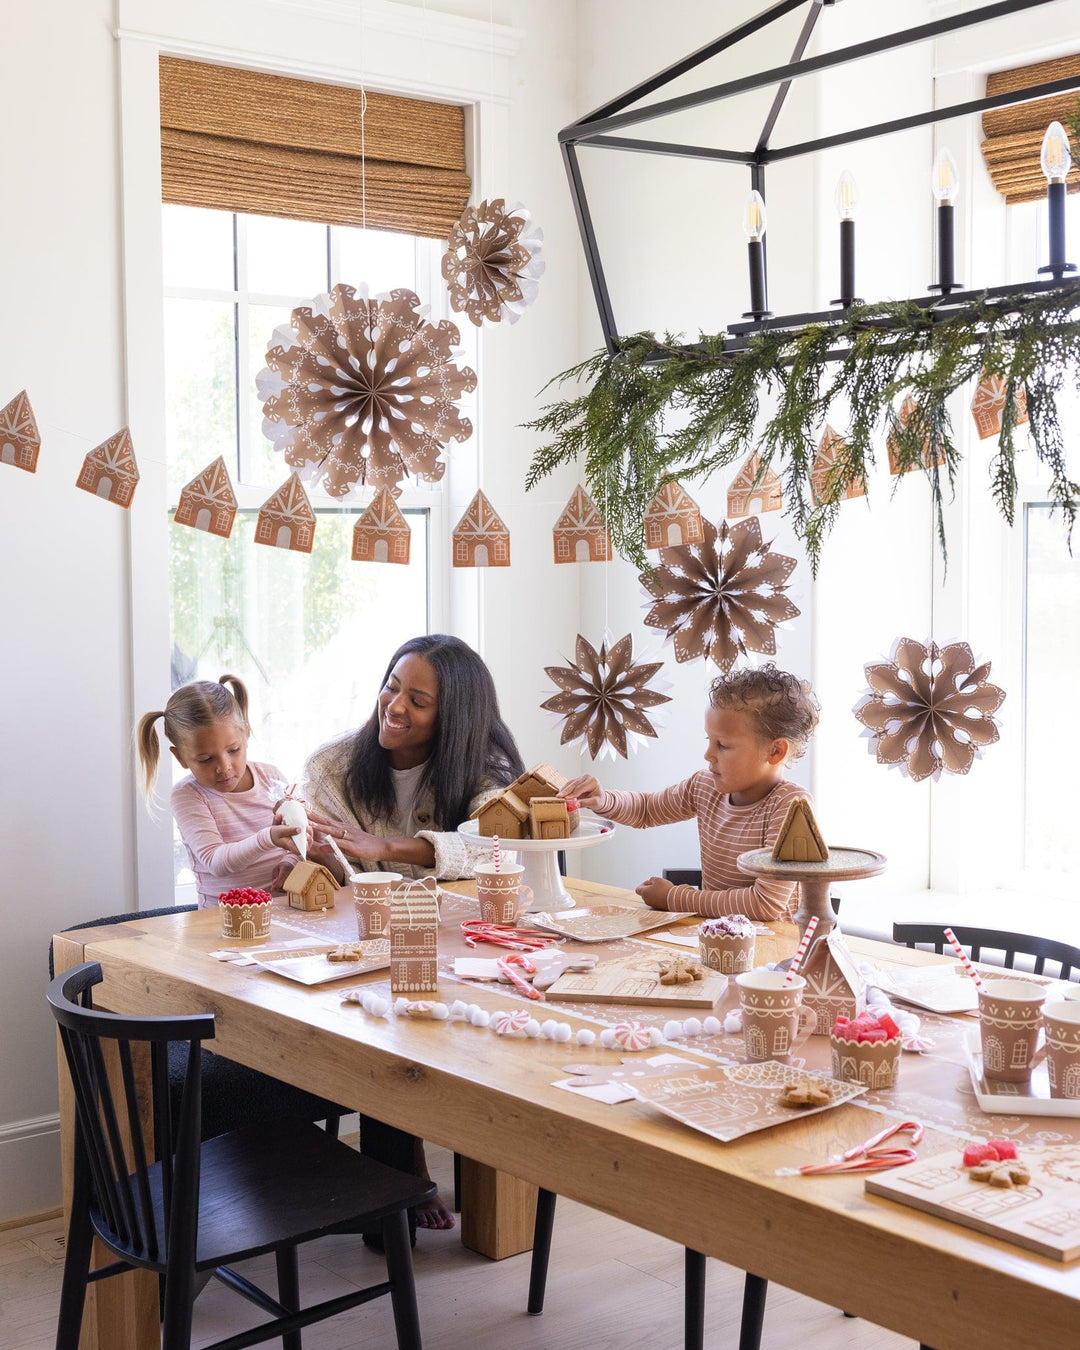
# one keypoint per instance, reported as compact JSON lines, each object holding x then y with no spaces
{"x":310,"y":966}
{"x":1014,"y":1099}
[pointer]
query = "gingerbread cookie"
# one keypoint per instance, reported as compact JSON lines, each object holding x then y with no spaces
{"x":348,"y":951}
{"x":1004,"y":1175}
{"x":680,"y":971}
{"x":804,"y":1094}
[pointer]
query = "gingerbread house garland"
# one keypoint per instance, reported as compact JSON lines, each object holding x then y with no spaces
{"x":907,"y":408}
{"x":382,"y":533}
{"x":672,"y":519}
{"x":414,"y":938}
{"x":828,"y":446}
{"x":754,"y":491}
{"x":208,"y":502}
{"x":480,"y":538}
{"x":109,"y":471}
{"x":286,"y":519}
{"x":989,"y":403}
{"x":20,"y":440}
{"x":834,"y":987}
{"x":579,"y":534}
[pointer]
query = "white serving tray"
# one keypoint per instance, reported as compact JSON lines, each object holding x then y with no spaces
{"x":1014,"y":1099}
{"x":308,"y":965}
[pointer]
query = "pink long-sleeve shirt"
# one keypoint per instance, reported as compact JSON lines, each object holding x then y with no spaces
{"x":724,"y":831}
{"x":227,"y":834}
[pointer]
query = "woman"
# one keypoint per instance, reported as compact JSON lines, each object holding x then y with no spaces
{"x":392,"y":794}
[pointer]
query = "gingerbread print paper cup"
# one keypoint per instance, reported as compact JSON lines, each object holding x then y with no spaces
{"x":873,"y":1063}
{"x":371,"y":900}
{"x":775,"y":1023}
{"x":1009,"y":1017}
{"x":1061,"y":1021}
{"x":245,"y":914}
{"x":499,"y":892}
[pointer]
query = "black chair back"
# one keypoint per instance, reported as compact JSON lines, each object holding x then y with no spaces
{"x":1003,"y":947}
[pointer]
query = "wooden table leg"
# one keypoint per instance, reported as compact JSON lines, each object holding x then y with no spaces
{"x":498,"y":1211}
{"x":122,"y":1310}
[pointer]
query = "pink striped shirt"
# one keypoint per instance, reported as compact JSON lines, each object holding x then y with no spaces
{"x":724,"y":831}
{"x":227,"y":834}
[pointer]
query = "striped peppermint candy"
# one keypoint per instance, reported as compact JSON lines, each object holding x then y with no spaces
{"x":632,"y":1036}
{"x":508,"y":1023}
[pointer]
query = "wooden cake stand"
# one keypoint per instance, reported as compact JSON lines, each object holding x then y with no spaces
{"x":842,"y":864}
{"x":540,"y":859}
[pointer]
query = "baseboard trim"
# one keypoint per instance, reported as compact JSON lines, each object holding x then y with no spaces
{"x":29,"y":1169}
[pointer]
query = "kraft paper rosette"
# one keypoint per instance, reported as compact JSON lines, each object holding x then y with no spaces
{"x":492,"y":264}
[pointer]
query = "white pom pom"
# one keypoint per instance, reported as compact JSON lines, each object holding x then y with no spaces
{"x":732,"y":1023}
{"x":672,"y":1031}
{"x":479,"y":1018}
{"x":380,"y":1007}
{"x":440,"y":1012}
{"x":563,"y":1032}
{"x":607,"y":1038}
{"x":712,"y":1026}
{"x":400,"y":1006}
{"x":692,"y":1026}
{"x":367,"y":1000}
{"x":875,"y":997}
{"x":656,"y":1036}
{"x":458,"y":1009}
{"x":547,"y":1029}
{"x":472,"y":1008}
{"x":908,"y":1023}
{"x":532,"y":1028}
{"x":585,"y":1037}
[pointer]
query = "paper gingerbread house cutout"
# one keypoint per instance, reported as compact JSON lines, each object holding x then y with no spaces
{"x":579,"y":534}
{"x":548,"y":818}
{"x":382,"y":533}
{"x":286,"y":519}
{"x":20,"y":439}
{"x":989,"y":403}
{"x":800,"y":839}
{"x":311,"y":886}
{"x":673,"y":519}
{"x":109,"y":470}
{"x":414,"y":938}
{"x":834,"y":987}
{"x":745,"y":495}
{"x":208,"y":501}
{"x":828,"y":446}
{"x":480,"y":538}
{"x":906,"y":409}
{"x":539,"y":781}
{"x":505,"y":814}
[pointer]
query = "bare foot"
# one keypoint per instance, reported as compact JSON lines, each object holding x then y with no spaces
{"x":433,"y":1214}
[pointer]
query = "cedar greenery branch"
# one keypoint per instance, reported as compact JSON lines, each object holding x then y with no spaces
{"x":654,"y":412}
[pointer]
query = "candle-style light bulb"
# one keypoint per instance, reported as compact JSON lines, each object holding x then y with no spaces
{"x":847,"y":198}
{"x":946,"y":181}
{"x":1056,"y":160}
{"x":754,"y":228}
{"x":945,"y":184}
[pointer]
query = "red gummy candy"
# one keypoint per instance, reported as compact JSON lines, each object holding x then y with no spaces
{"x":889,"y":1025}
{"x":873,"y":1034}
{"x":1006,"y":1148}
{"x":978,"y":1153}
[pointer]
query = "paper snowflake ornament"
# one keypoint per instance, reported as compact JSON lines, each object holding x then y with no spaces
{"x":989,"y":403}
{"x":364,"y":390}
{"x":492,"y":263}
{"x":603,"y":696}
{"x":722,"y":598}
{"x":929,"y":708}
{"x":20,"y":440}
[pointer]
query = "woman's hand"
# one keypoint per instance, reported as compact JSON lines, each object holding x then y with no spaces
{"x":353,"y":842}
{"x":655,"y":892}
{"x":586,"y":789}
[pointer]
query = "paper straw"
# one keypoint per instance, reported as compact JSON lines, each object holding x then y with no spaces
{"x":955,"y":945}
{"x":495,"y":856}
{"x":796,"y":960}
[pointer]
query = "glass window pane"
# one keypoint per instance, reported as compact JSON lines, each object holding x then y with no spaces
{"x":286,"y":257}
{"x":197,"y":248}
{"x":200,"y":387}
{"x":379,"y":257}
{"x":1052,"y":655}
{"x":264,"y":465}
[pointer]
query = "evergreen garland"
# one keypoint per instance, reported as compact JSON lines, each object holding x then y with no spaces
{"x":655,"y":412}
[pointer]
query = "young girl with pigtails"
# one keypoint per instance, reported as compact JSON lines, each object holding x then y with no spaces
{"x":226,"y":807}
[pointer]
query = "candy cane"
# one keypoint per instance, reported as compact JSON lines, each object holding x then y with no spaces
{"x":796,"y":960}
{"x":965,"y":961}
{"x":506,"y":967}
{"x":505,"y":935}
{"x":867,"y":1157}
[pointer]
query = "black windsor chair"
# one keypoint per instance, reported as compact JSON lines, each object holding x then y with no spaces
{"x":1004,"y":947}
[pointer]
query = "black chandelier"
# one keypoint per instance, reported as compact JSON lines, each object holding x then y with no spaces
{"x":594,"y":130}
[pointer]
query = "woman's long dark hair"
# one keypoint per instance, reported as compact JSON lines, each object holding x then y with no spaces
{"x":472,"y":747}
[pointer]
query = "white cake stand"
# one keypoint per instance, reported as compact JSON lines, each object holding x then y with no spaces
{"x":539,"y":858}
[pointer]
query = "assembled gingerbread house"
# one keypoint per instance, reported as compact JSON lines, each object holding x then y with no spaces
{"x":208,"y":501}
{"x":548,"y":818}
{"x":672,"y":519}
{"x":480,"y":539}
{"x":508,"y":814}
{"x":825,"y":458}
{"x":20,"y":440}
{"x":800,"y":839}
{"x":751,"y":492}
{"x":579,"y":534}
{"x":907,"y":408}
{"x":382,"y":533}
{"x":110,"y":471}
{"x":834,"y":987}
{"x":989,"y":403}
{"x":286,"y":519}
{"x":504,"y":814}
{"x":414,"y":938}
{"x":311,"y":886}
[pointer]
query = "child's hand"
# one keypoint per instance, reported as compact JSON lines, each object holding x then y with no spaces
{"x":655,"y":892}
{"x":284,"y":836}
{"x":586,"y":789}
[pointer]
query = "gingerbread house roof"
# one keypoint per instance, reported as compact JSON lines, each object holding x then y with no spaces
{"x":413,"y":905}
{"x":800,"y":839}
{"x":989,"y":403}
{"x":747,"y":486}
{"x":581,"y":519}
{"x":481,"y":522}
{"x":907,"y":408}
{"x":541,"y":780}
{"x":113,"y":459}
{"x":304,"y":874}
{"x":509,"y":798}
{"x":673,"y":504}
{"x":828,"y":446}
{"x":831,"y":972}
{"x":20,"y":439}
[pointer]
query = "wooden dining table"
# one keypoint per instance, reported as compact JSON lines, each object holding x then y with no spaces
{"x":491,"y":1099}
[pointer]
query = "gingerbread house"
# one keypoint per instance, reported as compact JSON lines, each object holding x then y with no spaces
{"x":548,"y":818}
{"x":753,"y":490}
{"x":579,"y":534}
{"x":827,"y":450}
{"x":672,"y":519}
{"x":414,"y":938}
{"x":907,"y":408}
{"x":208,"y":501}
{"x":286,"y":519}
{"x":504,"y":814}
{"x":110,"y":471}
{"x":539,"y":781}
{"x":834,"y":987}
{"x":480,"y":538}
{"x":989,"y":403}
{"x":20,"y":440}
{"x":382,"y":533}
{"x":800,"y":839}
{"x":311,"y":886}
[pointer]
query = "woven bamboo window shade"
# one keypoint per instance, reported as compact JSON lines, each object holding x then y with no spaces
{"x":240,"y":140}
{"x":1014,"y":135}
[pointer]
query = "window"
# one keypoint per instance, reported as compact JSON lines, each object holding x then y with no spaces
{"x":308,"y":633}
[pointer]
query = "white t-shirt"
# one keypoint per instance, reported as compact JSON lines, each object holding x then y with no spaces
{"x":406,"y":787}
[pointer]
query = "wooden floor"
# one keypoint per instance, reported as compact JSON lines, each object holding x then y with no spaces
{"x":610,"y":1287}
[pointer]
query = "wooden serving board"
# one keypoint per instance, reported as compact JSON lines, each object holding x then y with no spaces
{"x":636,"y":979}
{"x":1044,"y":1217}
